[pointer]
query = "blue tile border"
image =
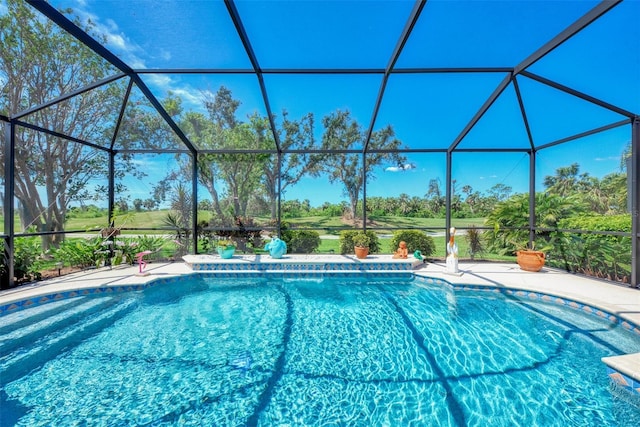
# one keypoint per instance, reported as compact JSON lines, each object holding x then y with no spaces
{"x":300,"y":266}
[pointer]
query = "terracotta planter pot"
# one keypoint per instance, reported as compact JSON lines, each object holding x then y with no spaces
{"x":530,"y":260}
{"x":361,"y":252}
{"x":110,"y":232}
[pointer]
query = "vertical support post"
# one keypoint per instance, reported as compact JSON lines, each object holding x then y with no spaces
{"x":112,"y":188}
{"x":635,"y":202}
{"x":9,"y":209}
{"x":532,"y":196}
{"x":364,"y":191}
{"x":448,"y":199}
{"x":111,"y":204}
{"x":279,"y":199}
{"x":194,"y":200}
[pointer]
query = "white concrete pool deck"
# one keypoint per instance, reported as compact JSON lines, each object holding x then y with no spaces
{"x":617,"y":299}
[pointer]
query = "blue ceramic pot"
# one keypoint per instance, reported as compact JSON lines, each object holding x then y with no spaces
{"x":226,"y":252}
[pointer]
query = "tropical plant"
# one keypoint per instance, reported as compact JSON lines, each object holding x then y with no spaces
{"x":416,"y":240}
{"x":81,"y":252}
{"x":224,"y":243}
{"x":474,"y":239}
{"x":510,"y":221}
{"x":182,"y":233}
{"x":246,"y":233}
{"x":26,"y":254}
{"x":361,"y":240}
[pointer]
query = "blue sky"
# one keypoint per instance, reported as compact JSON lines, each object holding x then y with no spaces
{"x":426,"y":110}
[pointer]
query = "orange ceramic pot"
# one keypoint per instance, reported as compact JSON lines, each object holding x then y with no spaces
{"x":361,"y":252}
{"x":530,"y":260}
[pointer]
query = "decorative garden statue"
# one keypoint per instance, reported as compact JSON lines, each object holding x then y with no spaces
{"x":402,"y":251}
{"x":276,"y":247}
{"x":452,"y":253}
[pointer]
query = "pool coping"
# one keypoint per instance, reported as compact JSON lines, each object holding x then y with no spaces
{"x":594,"y":296}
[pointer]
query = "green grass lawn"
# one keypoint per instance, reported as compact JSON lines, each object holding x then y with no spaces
{"x":323,"y":224}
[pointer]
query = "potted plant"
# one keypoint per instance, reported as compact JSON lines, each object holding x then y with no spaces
{"x":108,"y":232}
{"x":226,"y":248}
{"x":530,"y":259}
{"x":361,"y":245}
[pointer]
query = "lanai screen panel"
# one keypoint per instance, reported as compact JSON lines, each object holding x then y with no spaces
{"x":204,"y":104}
{"x":148,"y":34}
{"x":428,"y":111}
{"x":90,"y":116}
{"x":590,"y":176}
{"x":603,"y":60}
{"x":325,"y":97}
{"x":147,"y":182}
{"x":52,"y":175}
{"x":554,"y":114}
{"x":503,"y":126}
{"x":143,"y":128}
{"x":407,"y":193}
{"x":335,"y":192}
{"x":237,"y":190}
{"x":47,"y":64}
{"x":481,"y":180}
{"x":323,"y":35}
{"x":591,"y":171}
{"x":486,"y":33}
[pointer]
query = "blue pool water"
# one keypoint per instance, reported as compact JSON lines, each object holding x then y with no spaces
{"x":309,"y":352}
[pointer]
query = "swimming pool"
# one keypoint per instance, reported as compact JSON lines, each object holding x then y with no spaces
{"x":348,"y":351}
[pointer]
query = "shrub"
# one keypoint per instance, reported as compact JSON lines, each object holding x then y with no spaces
{"x":346,"y":241}
{"x":150,"y":243}
{"x":416,"y":240}
{"x":26,"y":252}
{"x":594,"y":254}
{"x":26,"y":264}
{"x":303,"y":241}
{"x":81,"y":252}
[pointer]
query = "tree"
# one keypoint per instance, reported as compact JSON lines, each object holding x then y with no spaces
{"x":564,"y":182}
{"x":232,"y":179}
{"x":296,"y":134}
{"x":435,"y":199}
{"x":603,"y":196}
{"x":342,"y":132}
{"x":500,"y":192}
{"x":39,"y":62}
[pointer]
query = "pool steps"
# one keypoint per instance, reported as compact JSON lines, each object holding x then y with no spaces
{"x":46,"y":339}
{"x":301,"y":264}
{"x":624,"y":371}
